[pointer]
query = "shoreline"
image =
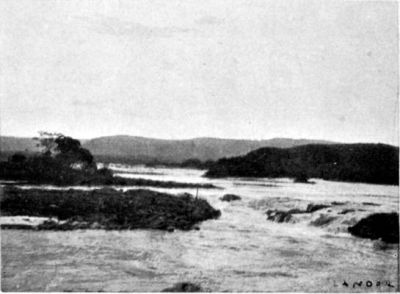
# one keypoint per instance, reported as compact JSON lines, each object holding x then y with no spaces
{"x":117,"y":182}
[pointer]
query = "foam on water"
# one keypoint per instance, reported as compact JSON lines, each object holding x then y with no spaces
{"x":240,"y":251}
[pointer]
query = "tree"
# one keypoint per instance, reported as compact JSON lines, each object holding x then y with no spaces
{"x":71,"y":152}
{"x":62,"y":161}
{"x":66,"y":150}
{"x":46,"y":142}
{"x":17,"y":158}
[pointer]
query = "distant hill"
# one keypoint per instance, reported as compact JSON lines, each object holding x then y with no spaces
{"x":175,"y":151}
{"x":369,"y":163}
{"x":145,"y":150}
{"x":12,"y":144}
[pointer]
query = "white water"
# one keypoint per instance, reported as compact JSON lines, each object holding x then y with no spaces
{"x":240,"y":251}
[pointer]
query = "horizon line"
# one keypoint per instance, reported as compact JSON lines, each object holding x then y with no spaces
{"x":216,"y":138}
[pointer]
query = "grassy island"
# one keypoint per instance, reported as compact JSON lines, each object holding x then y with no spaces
{"x":366,"y":163}
{"x":106,"y":209}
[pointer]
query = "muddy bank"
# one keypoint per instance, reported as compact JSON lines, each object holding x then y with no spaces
{"x":106,"y":209}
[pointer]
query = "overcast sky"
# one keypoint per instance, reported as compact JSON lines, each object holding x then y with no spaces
{"x":183,"y":69}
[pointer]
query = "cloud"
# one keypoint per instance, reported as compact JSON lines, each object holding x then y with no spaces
{"x":89,"y":103}
{"x":209,"y":20}
{"x":117,"y":27}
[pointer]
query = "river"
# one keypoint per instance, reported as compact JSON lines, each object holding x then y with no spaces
{"x":240,"y":251}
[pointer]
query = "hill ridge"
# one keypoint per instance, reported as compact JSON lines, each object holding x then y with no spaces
{"x":145,"y":149}
{"x":360,"y":162}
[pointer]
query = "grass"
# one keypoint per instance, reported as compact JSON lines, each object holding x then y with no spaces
{"x":107,"y":209}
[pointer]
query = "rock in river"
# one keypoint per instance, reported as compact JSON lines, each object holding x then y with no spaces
{"x":184,"y":287}
{"x":230,"y":197}
{"x":314,"y":207}
{"x":384,"y":226}
{"x":278,"y":216}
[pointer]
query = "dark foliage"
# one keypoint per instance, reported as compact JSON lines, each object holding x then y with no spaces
{"x":47,"y":170}
{"x":108,"y":208}
{"x":17,"y":158}
{"x":70,"y":151}
{"x":44,"y":169}
{"x":64,"y":162}
{"x":383,"y":226}
{"x":369,"y":163}
{"x":301,"y":177}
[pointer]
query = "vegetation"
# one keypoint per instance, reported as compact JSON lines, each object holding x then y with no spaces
{"x":62,"y":161}
{"x":369,"y":163}
{"x":107,"y":209}
{"x":301,"y":177}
